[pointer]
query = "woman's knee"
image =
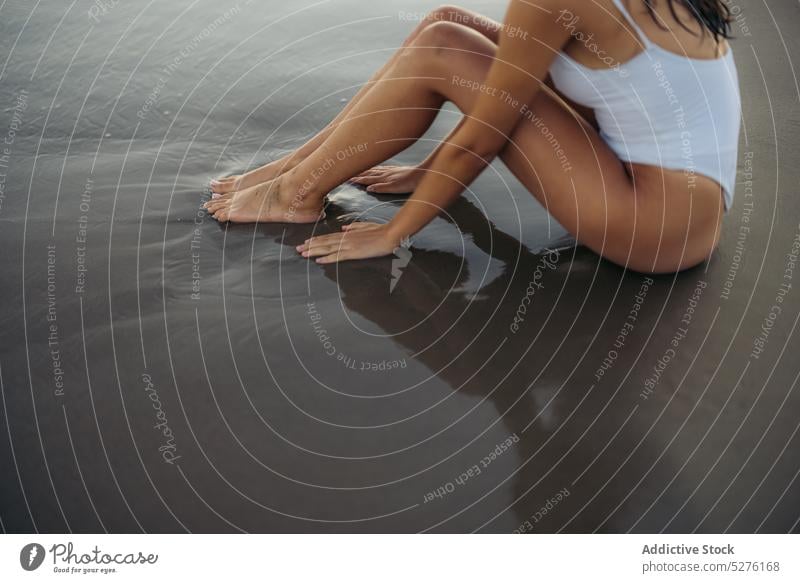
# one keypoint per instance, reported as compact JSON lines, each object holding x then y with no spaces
{"x":448,"y":13}
{"x":444,"y":13}
{"x":456,"y":15}
{"x":442,"y":35}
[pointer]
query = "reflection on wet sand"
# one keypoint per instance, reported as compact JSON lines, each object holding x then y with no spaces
{"x":519,"y":342}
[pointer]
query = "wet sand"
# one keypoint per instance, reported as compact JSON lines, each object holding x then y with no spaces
{"x":163,"y":373}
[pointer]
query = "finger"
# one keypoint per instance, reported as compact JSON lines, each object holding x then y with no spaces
{"x":379,"y":169}
{"x":365,"y":173}
{"x":345,"y":254}
{"x":334,"y":257}
{"x":372,"y":170}
{"x":372,"y":179}
{"x":319,"y":250}
{"x":323,"y":242}
{"x":360,"y":226}
{"x":361,"y":179}
{"x":333,"y":239}
{"x":380,"y":187}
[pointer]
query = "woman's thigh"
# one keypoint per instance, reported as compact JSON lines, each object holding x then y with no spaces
{"x":573,"y":173}
{"x":653,"y":224}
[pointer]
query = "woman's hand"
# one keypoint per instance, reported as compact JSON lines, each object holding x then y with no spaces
{"x":390,"y":179}
{"x":356,"y":241}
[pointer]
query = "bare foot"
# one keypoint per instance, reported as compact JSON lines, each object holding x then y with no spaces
{"x":268,"y":202}
{"x":265,"y":173}
{"x":390,"y":179}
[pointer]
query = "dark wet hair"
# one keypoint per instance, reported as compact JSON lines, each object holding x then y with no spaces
{"x":713,"y":15}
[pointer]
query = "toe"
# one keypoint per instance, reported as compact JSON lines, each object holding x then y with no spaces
{"x":215,"y":205}
{"x":219,"y":197}
{"x":225,"y":185}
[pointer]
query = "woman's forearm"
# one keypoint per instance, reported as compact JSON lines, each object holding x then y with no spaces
{"x":451,"y":171}
{"x":428,"y":161}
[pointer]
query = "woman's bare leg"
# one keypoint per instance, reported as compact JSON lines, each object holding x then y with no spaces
{"x":391,"y":116}
{"x":589,"y":192}
{"x":482,"y":24}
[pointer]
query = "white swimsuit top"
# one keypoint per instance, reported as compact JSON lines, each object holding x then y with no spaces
{"x":663,"y":109}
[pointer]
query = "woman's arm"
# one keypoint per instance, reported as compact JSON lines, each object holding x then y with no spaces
{"x":529,"y":42}
{"x":428,"y":161}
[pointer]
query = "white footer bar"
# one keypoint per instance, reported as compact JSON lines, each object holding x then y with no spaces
{"x":401,"y":558}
